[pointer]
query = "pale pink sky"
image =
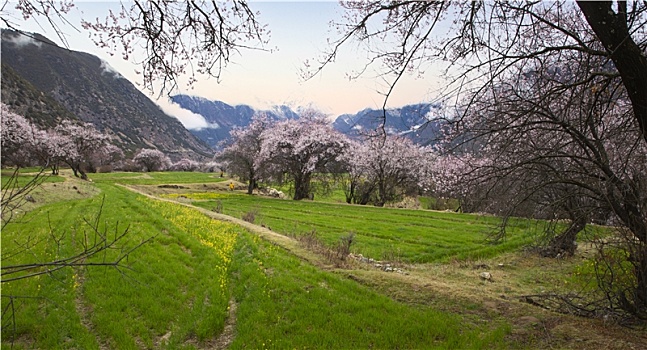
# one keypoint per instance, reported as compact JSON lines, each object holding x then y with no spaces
{"x":261,"y":79}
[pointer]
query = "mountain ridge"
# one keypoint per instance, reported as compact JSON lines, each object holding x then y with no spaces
{"x":415,"y":121}
{"x":89,"y":89}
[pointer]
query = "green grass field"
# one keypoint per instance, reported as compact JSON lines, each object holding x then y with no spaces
{"x":415,"y":236}
{"x":201,"y":283}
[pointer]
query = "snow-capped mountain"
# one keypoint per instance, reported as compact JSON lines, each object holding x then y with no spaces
{"x":419,"y":122}
{"x":222,"y":117}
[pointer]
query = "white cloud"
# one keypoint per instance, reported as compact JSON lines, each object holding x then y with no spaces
{"x":190,"y":120}
{"x":21,"y":40}
{"x":107,"y":68}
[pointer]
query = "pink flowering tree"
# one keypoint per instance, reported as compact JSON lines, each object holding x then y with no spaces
{"x":152,"y":159}
{"x":53,"y":148}
{"x":107,"y":156}
{"x":358,"y":187}
{"x":18,"y":137}
{"x":83,"y":145}
{"x":185,"y":164}
{"x":296,"y":150}
{"x":384,"y":168}
{"x":242,"y":156}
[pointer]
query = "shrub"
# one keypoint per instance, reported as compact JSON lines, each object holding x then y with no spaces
{"x":218,"y":208}
{"x":344,"y":244}
{"x":250,"y":216}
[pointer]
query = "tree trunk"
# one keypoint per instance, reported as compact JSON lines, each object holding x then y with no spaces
{"x":381,"y":193}
{"x":84,"y":176}
{"x":565,"y":244}
{"x":612,"y":30}
{"x":640,"y":269}
{"x":350,"y":192}
{"x":301,"y":186}
{"x":251,"y":185}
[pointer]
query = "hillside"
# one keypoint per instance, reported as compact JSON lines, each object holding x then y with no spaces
{"x":91,"y":90}
{"x":23,"y":98}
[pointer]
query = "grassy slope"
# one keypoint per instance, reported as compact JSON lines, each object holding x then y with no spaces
{"x":169,"y":286}
{"x":286,"y":303}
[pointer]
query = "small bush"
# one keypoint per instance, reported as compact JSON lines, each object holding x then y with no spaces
{"x":343,"y":247}
{"x":251,"y":215}
{"x":218,"y":208}
{"x":310,"y":239}
{"x":336,"y":254}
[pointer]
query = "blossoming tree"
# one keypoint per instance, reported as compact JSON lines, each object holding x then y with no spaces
{"x":295,"y":150}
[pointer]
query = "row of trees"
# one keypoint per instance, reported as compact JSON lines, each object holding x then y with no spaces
{"x":149,"y":159}
{"x":81,"y":147}
{"x":376,"y":171}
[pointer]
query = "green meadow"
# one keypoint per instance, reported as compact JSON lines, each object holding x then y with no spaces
{"x":412,"y":236}
{"x":188,"y":281}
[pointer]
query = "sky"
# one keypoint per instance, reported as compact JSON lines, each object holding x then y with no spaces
{"x":299,"y":32}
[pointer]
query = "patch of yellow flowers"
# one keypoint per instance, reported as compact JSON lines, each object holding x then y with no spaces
{"x":218,"y":235}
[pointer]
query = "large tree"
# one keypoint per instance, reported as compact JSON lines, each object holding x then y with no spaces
{"x":242,"y":155}
{"x":573,"y":153}
{"x":152,"y":159}
{"x":18,"y":137}
{"x":295,"y":150}
{"x":383,"y":168}
{"x":84,"y":144}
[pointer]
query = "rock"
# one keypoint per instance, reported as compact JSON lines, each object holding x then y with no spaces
{"x":486,"y":276}
{"x":272,"y":192}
